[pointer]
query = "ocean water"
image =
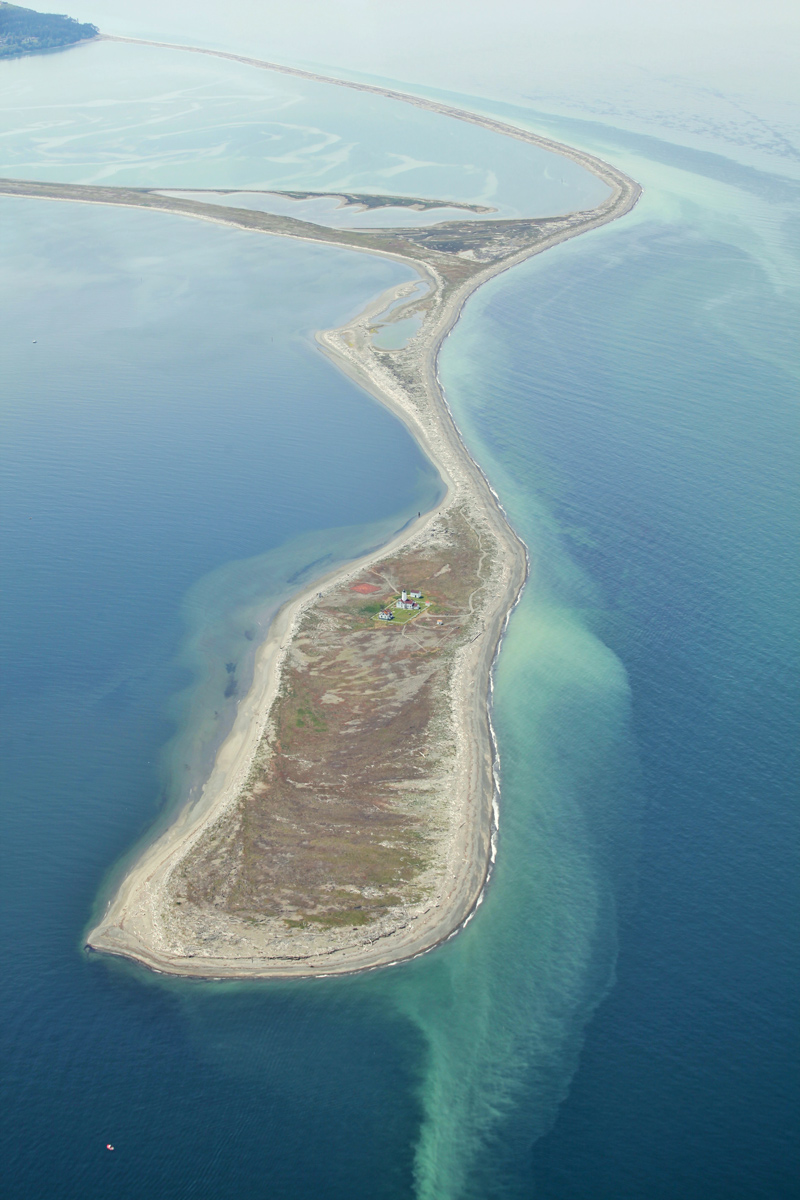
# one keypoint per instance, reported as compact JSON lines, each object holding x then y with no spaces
{"x":633,"y":396}
{"x":616,"y":1021}
{"x":177,"y":457}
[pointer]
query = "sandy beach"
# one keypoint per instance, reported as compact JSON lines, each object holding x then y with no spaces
{"x":131,"y":926}
{"x":134,"y":925}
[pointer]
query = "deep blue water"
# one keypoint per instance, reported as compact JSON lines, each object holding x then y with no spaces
{"x":657,"y":372}
{"x":689,"y":1084}
{"x":172,"y":416}
{"x":618,"y":1020}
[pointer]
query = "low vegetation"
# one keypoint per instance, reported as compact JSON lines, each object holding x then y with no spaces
{"x":345,"y":805}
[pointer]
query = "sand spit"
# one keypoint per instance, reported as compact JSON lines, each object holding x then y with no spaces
{"x":140,"y":921}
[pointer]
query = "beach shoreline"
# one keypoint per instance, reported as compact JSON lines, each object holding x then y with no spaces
{"x":234,"y":757}
{"x":132,"y":926}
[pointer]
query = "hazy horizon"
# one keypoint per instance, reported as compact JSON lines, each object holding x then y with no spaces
{"x":717,"y":74}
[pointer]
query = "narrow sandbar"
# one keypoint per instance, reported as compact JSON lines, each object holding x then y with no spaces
{"x":149,"y":919}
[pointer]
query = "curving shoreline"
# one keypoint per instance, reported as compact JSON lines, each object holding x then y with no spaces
{"x":407,"y":383}
{"x":130,"y":926}
{"x":598,"y":167}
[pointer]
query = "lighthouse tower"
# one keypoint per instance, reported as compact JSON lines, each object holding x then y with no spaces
{"x":404,"y":595}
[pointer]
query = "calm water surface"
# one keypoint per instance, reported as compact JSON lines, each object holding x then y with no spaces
{"x":634,"y":397}
{"x":144,"y":116}
{"x":164,"y":410}
{"x":616,"y":1021}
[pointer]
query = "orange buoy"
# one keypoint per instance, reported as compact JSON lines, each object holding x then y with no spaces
{"x":109,"y":1146}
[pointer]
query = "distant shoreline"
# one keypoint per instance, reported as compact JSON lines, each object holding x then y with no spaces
{"x":96,"y":37}
{"x":131,"y":925}
{"x":26,"y":31}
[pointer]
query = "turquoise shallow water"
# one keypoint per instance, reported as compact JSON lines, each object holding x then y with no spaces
{"x":617,"y":1019}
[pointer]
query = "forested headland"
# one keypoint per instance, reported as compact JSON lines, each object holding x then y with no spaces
{"x":23,"y":31}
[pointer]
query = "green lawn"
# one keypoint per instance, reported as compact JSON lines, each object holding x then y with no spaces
{"x":402,"y":615}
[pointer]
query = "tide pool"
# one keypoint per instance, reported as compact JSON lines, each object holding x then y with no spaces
{"x":394,"y":337}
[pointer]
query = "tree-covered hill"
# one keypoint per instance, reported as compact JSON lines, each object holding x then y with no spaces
{"x":23,"y":31}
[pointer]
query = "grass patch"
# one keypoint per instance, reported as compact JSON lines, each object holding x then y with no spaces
{"x":402,"y":615}
{"x":307,"y":717}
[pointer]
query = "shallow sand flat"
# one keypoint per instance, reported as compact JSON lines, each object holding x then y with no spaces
{"x":136,"y":924}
